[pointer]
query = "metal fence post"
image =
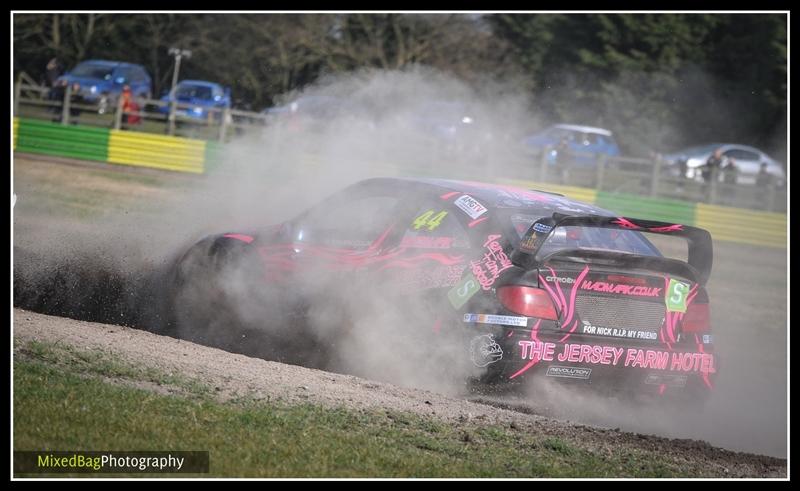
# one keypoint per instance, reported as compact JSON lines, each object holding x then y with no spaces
{"x":65,"y":104}
{"x":118,"y":114}
{"x":655,"y":176}
{"x":172,"y":108}
{"x":17,"y":93}
{"x":226,"y":115}
{"x":601,"y":171}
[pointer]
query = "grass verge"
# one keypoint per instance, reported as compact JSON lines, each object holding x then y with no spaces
{"x":67,"y":399}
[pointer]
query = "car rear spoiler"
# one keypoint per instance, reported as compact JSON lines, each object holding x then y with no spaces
{"x":700,"y":254}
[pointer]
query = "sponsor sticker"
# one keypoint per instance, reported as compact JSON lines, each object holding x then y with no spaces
{"x":484,"y":350}
{"x":541,"y":227}
{"x":666,"y":379}
{"x":503,"y":320}
{"x":604,"y":287}
{"x":676,"y":296}
{"x":707,"y":339}
{"x":569,"y":372}
{"x":494,"y":261}
{"x":560,"y":279}
{"x":650,"y":359}
{"x":470,"y":206}
{"x":589,"y":328}
{"x":463,"y":291}
{"x":532,"y":240}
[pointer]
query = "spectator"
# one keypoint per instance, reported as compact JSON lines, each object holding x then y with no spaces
{"x":52,"y":71}
{"x":712,"y":165}
{"x":562,"y":159}
{"x":730,"y":172}
{"x":130,"y":108}
{"x":710,"y":170}
{"x":683,"y":167}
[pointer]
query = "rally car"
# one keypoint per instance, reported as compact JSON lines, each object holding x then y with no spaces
{"x":533,"y":283}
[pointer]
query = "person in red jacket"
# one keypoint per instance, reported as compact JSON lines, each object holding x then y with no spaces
{"x":130,"y":108}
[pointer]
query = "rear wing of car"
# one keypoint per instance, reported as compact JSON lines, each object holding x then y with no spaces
{"x":700,"y":250}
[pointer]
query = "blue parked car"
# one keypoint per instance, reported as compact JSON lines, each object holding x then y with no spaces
{"x":583,"y":143}
{"x":201,"y":95}
{"x":101,"y":82}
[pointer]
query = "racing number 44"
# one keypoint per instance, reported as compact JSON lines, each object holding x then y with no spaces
{"x":429,"y":219}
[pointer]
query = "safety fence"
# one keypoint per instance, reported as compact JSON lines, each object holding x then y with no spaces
{"x":199,"y":156}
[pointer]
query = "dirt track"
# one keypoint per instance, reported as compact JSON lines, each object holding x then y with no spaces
{"x":239,"y":376}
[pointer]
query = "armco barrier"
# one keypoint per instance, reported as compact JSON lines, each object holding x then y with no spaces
{"x":213,"y":155}
{"x":745,"y":226}
{"x":112,"y":146}
{"x":80,"y":142}
{"x":157,"y":151}
{"x":665,"y":210}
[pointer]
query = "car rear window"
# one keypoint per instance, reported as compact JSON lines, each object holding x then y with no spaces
{"x":594,"y":238}
{"x":89,"y":70}
{"x":196,"y":91}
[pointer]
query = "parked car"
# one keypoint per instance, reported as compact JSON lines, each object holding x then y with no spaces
{"x":201,"y":95}
{"x":101,"y":82}
{"x":748,"y":160}
{"x":584,"y":143}
{"x":516,"y":283}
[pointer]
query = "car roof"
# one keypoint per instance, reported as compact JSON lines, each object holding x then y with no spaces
{"x":583,"y":129}
{"x":109,"y":63}
{"x":199,"y":82}
{"x":710,"y":147}
{"x":497,"y":196}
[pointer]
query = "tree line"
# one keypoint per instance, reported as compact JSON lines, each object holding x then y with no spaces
{"x":660,"y":81}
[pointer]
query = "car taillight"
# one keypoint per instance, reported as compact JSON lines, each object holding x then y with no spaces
{"x":527,"y":301}
{"x":697,"y":318}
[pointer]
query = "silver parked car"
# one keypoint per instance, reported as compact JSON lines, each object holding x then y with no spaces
{"x":747,"y":159}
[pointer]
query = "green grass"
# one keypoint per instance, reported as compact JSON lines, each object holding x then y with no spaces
{"x":67,"y":399}
{"x":95,"y":192}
